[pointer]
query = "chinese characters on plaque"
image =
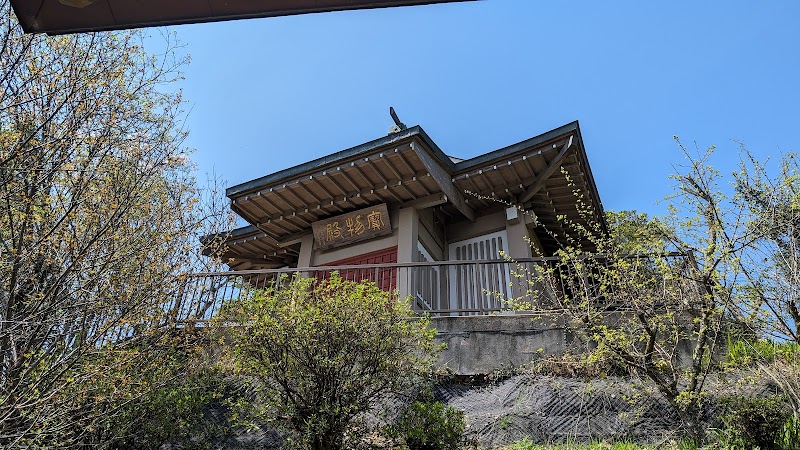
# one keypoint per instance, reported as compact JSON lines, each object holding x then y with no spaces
{"x":352,"y":227}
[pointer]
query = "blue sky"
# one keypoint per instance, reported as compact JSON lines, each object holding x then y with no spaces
{"x":266,"y":94}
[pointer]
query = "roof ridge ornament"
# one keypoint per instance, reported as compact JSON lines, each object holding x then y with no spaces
{"x":398,"y":126}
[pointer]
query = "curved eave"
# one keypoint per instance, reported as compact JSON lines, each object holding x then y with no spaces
{"x":248,"y":247}
{"x":531,"y":173}
{"x":408,"y":169}
{"x":504,"y":153}
{"x":339,"y":158}
{"x":285,"y":207}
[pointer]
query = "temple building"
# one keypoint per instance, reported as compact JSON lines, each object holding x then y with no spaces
{"x":399,"y":211}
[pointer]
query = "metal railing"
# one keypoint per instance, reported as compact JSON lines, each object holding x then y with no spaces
{"x":441,"y":288}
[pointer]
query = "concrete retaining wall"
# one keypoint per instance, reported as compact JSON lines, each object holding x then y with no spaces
{"x":484,"y":344}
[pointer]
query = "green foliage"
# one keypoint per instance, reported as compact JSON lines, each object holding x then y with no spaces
{"x":524,"y":444}
{"x":771,"y":200}
{"x":99,"y":218}
{"x":653,"y":294}
{"x":752,"y":423}
{"x":789,"y":435}
{"x":429,"y":425}
{"x":322,"y":352}
{"x":174,"y":413}
{"x":743,"y":352}
{"x":687,"y":443}
{"x":527,"y":444}
{"x":780,"y":361}
{"x":142,"y":406}
{"x":504,"y":422}
{"x":637,"y":233}
{"x":780,"y":434}
{"x":645,"y":312}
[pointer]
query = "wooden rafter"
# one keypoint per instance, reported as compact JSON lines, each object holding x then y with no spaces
{"x":541,"y":179}
{"x":445,"y":182}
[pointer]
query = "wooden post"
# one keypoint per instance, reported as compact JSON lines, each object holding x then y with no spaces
{"x":304,"y":259}
{"x":407,"y":241}
{"x":518,"y":247}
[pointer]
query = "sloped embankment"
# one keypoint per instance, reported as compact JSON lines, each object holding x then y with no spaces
{"x":545,"y":409}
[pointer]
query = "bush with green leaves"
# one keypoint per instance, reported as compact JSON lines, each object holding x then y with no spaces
{"x":752,"y":422}
{"x":147,"y":406}
{"x":321,"y":352}
{"x":789,"y":435}
{"x":430,"y":425}
{"x":174,"y":413}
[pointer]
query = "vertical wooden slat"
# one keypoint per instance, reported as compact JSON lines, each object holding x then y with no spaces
{"x":456,"y":282}
{"x":492,"y":275}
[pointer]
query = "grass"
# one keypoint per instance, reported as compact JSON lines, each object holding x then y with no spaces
{"x":746,"y":352}
{"x":526,"y":444}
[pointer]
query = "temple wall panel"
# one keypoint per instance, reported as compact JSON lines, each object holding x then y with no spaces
{"x":486,"y":224}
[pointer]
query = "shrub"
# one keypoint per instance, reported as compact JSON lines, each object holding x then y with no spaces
{"x":789,"y":436}
{"x":751,"y":422}
{"x":174,"y":413}
{"x":160,"y":404}
{"x":323,"y":352}
{"x":428,"y":425}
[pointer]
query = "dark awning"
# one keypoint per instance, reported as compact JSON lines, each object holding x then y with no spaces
{"x":72,"y":16}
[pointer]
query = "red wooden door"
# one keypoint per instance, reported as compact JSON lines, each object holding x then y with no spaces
{"x":385,"y":278}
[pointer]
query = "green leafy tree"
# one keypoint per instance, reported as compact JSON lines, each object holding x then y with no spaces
{"x":322,"y":352}
{"x":657,"y":294}
{"x":99,"y":214}
{"x":772,"y":262}
{"x":771,"y":266}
